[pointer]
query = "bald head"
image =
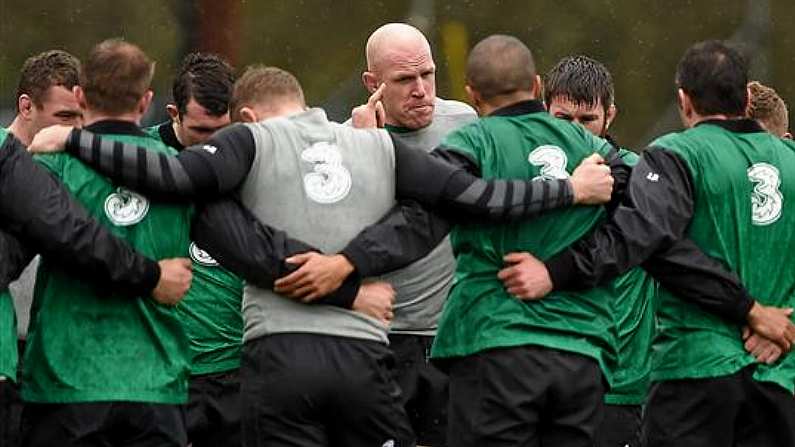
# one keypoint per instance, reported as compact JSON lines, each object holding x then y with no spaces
{"x":392,"y":39}
{"x":399,"y":56}
{"x":500,"y":65}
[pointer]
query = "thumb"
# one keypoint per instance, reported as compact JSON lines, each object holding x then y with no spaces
{"x":186,"y":263}
{"x":788,"y":311}
{"x":593,"y":159}
{"x":516,"y":257}
{"x":299,"y":259}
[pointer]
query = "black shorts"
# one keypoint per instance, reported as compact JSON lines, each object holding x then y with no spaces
{"x":11,"y":406}
{"x":621,"y":426}
{"x":131,"y":424}
{"x":425,"y":388}
{"x":214,"y":410}
{"x":526,"y":396}
{"x":733,"y":410}
{"x":10,"y":413}
{"x":316,"y":390}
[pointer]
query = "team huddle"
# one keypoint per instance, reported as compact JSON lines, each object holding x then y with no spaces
{"x":427,"y":273}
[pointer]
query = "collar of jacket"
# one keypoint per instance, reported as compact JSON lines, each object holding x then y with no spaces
{"x":169,"y":137}
{"x":520,"y":108}
{"x":740,"y":125}
{"x":116,"y":127}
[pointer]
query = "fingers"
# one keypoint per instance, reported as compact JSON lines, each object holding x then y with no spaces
{"x":300,"y":259}
{"x":752,"y":343}
{"x":380,"y":114}
{"x":290,"y":282}
{"x":377,"y":95}
{"x":513,"y":258}
{"x":593,"y":159}
{"x":300,"y":293}
{"x":508,"y":273}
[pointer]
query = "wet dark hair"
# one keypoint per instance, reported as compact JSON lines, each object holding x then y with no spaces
{"x":584,"y":81}
{"x":206,"y":78}
{"x":715,"y":77}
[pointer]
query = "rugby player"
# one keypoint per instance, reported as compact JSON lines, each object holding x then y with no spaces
{"x":580,"y":89}
{"x":399,"y":56}
{"x":210,"y":312}
{"x":723,"y":184}
{"x":88,"y":346}
{"x":38,"y":209}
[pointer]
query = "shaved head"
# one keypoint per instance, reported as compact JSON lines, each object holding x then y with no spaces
{"x":500,"y":65}
{"x":399,"y":56}
{"x":394,"y":38}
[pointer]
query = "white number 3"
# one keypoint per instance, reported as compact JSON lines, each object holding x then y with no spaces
{"x":329,"y":181}
{"x":766,"y":198}
{"x":552,"y":161}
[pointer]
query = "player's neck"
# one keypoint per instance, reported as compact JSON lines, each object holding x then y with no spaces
{"x":21,"y":131}
{"x":177,"y":132}
{"x":696,"y":118}
{"x":498,"y":102}
{"x":90,"y":117}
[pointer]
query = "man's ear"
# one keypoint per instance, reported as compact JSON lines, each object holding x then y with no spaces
{"x":370,"y":81}
{"x":80,"y":95}
{"x":684,"y":103}
{"x":25,"y":104}
{"x":248,"y":115}
{"x":537,"y":88}
{"x":173,"y":112}
{"x":612,"y":111}
{"x":145,"y":101}
{"x":474,"y":98}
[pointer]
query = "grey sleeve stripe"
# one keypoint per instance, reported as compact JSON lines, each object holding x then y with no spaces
{"x":129,"y":166}
{"x":106,"y":155}
{"x":553,"y":194}
{"x":181,"y":180}
{"x":86,"y":138}
{"x":536,"y":194}
{"x":152,"y":166}
{"x":471,"y":195}
{"x":518,"y":193}
{"x":498,"y":196}
{"x":517,"y":204}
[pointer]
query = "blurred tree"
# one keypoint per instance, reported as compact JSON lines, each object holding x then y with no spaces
{"x":322,"y":41}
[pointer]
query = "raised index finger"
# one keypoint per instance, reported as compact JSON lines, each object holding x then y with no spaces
{"x":377,"y":94}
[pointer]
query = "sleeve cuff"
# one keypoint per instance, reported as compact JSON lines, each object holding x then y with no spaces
{"x":345,"y":295}
{"x":743,"y":308}
{"x":151,"y":276}
{"x":562,"y":271}
{"x":360,"y":259}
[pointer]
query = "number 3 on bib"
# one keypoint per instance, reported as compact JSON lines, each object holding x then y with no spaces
{"x":329,"y":181}
{"x":552,"y":161}
{"x":766,"y":198}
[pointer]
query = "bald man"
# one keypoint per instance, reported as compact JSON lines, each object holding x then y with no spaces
{"x":399,"y":56}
